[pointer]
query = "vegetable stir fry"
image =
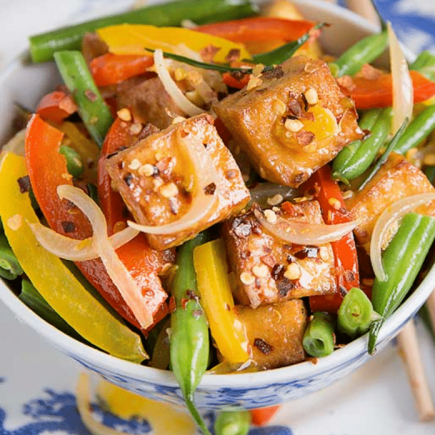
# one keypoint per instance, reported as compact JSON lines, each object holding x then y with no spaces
{"x":222,"y":177}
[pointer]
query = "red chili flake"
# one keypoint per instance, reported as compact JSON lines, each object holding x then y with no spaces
{"x":192,"y":295}
{"x":210,"y":189}
{"x":184,"y":303}
{"x":24,"y":184}
{"x":90,"y":95}
{"x":268,"y":260}
{"x":262,"y":346}
{"x":172,"y":306}
{"x":209,"y":52}
{"x":233,"y":55}
{"x":68,"y":227}
{"x":305,"y":137}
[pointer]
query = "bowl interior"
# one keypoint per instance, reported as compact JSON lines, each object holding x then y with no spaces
{"x":26,"y":83}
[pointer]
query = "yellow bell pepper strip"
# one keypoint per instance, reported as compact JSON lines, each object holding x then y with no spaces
{"x":53,"y":280}
{"x":132,"y":38}
{"x":87,"y":149}
{"x":217,"y":301}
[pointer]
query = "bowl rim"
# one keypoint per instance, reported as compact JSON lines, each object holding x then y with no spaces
{"x":300,"y":371}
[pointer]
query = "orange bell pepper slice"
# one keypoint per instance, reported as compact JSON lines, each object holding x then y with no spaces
{"x":262,"y":416}
{"x":327,"y":192}
{"x":369,"y":94}
{"x":56,"y":106}
{"x":111,"y":69}
{"x":47,"y":170}
{"x":258,"y":29}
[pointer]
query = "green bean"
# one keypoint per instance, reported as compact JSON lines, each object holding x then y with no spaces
{"x":430,"y":173}
{"x":355,"y":314}
{"x":319,"y":337}
{"x":344,"y":157}
{"x":91,"y":106}
{"x":10,"y":268}
{"x":402,"y":261}
{"x":359,"y":159}
{"x":418,"y":130}
{"x":384,"y":156}
{"x":364,"y":51}
{"x":425,"y":64}
{"x":281,"y":54}
{"x":232,"y":423}
{"x":33,"y":299}
{"x":44,"y":45}
{"x":93,"y":193}
{"x":189,"y":341}
{"x":73,"y":163}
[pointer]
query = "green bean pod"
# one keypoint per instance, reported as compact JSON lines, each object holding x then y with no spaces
{"x":355,"y":314}
{"x":418,"y":130}
{"x":74,"y":164}
{"x":425,"y":64}
{"x":402,"y":262}
{"x":364,"y":51}
{"x":232,"y":423}
{"x":360,"y":159}
{"x":319,"y":337}
{"x":10,"y":268}
{"x":345,"y":156}
{"x":44,"y":45}
{"x":189,"y":338}
{"x":91,"y":106}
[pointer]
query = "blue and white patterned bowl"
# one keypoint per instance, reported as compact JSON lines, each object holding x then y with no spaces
{"x":26,"y":83}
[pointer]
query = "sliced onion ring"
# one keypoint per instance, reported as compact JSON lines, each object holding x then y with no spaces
{"x":389,"y":216}
{"x":129,"y":290}
{"x":403,"y":90}
{"x":205,"y":174}
{"x":76,"y":250}
{"x":302,"y":233}
{"x":171,"y":87}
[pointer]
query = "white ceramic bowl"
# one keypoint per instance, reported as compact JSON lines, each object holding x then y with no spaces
{"x":26,"y":83}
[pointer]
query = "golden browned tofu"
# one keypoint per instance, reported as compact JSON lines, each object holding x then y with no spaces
{"x":154,"y":178}
{"x":275,"y":332}
{"x":295,"y":121}
{"x":268,"y":269}
{"x":149,"y":102}
{"x":395,"y":180}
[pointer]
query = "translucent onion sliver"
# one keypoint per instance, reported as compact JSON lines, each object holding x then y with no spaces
{"x":302,"y":233}
{"x":403,"y":90}
{"x":389,"y":216}
{"x":202,"y":204}
{"x":171,"y":87}
{"x":73,"y":249}
{"x":129,"y":290}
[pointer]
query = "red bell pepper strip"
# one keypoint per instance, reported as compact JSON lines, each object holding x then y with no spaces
{"x":47,"y":170}
{"x":262,"y":416}
{"x":232,"y":82}
{"x":110,"y":69}
{"x":258,"y":29}
{"x":56,"y":106}
{"x":369,"y":94}
{"x":327,"y":192}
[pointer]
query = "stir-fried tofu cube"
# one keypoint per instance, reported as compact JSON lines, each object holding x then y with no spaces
{"x":268,"y":269}
{"x":155,"y":178}
{"x":395,"y":180}
{"x":149,"y":102}
{"x":290,"y":121}
{"x":275,"y":332}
